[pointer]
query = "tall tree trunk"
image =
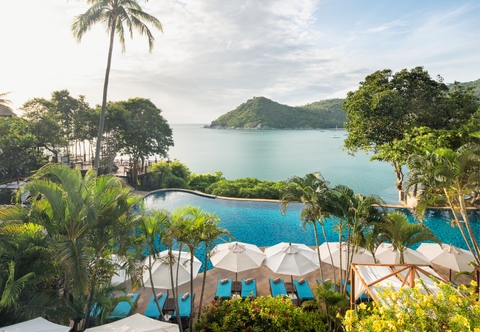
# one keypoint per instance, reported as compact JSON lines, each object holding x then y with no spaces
{"x":104,"y":99}
{"x":205,"y":262}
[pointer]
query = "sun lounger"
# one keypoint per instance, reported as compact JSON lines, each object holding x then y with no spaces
{"x":152,"y":309}
{"x":124,"y":308}
{"x":249,"y":289}
{"x":224,"y":291}
{"x":303,"y":290}
{"x":278,"y":288}
{"x":184,"y":306}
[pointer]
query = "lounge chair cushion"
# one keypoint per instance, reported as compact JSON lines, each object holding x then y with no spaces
{"x":184,"y":306}
{"x":278,"y":288}
{"x":224,"y":290}
{"x":124,"y":308}
{"x":249,"y":288}
{"x":303,"y":290}
{"x":152,"y":309}
{"x":276,"y":280}
{"x":223,"y":281}
{"x":185,"y":296}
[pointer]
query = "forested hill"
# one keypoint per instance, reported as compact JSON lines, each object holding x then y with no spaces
{"x":475,"y":85}
{"x":263,"y":113}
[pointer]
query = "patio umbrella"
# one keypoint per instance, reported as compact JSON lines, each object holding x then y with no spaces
{"x":120,"y":273}
{"x":237,"y":257}
{"x":136,"y":323}
{"x":294,"y":259}
{"x":448,"y":256}
{"x":161,"y":269}
{"x":338,"y":251}
{"x":38,"y":324}
{"x":387,"y":254}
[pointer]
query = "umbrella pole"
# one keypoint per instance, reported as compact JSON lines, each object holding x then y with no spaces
{"x":450,"y":275}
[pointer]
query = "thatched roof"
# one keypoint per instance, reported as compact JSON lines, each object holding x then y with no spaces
{"x":6,"y":111}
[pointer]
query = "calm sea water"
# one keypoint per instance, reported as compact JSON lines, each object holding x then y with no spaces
{"x":278,"y":154}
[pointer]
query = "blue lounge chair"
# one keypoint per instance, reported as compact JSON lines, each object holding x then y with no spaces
{"x":363,"y":298}
{"x":303,"y":290}
{"x":249,"y":289}
{"x":184,"y":306}
{"x":224,"y":291}
{"x":278,"y":289}
{"x":124,"y":308}
{"x":152,"y":309}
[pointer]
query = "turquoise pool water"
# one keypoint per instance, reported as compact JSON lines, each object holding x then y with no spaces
{"x":263,"y":224}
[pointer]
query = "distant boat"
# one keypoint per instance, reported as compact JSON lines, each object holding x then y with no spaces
{"x":335,"y":135}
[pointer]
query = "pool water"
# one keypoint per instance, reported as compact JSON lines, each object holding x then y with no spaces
{"x":263,"y":224}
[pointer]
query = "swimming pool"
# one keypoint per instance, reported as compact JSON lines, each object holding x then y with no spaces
{"x":262,"y":223}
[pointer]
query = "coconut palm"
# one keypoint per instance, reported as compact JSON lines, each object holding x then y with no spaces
{"x":402,"y":234}
{"x":313,"y":192}
{"x":453,"y":176}
{"x":118,"y":16}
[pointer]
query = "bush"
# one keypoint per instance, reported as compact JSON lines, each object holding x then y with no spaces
{"x":247,"y":188}
{"x":411,"y":310}
{"x":168,"y":174}
{"x":200,"y":182}
{"x":263,"y":314}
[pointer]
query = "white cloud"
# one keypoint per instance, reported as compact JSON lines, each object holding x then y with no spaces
{"x":215,"y":54}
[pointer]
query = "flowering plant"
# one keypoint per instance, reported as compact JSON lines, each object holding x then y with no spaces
{"x":410,"y":309}
{"x":258,"y":314}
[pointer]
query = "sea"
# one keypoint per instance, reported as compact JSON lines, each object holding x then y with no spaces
{"x":276,"y":155}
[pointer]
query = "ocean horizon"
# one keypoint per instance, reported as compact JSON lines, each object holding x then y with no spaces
{"x":276,"y":155}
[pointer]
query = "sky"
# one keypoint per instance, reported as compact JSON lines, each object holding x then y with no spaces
{"x":214,"y":55}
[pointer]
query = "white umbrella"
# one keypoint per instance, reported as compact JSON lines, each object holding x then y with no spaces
{"x":291,"y":258}
{"x":120,"y":273}
{"x":38,"y":324}
{"x":387,"y":254}
{"x":448,"y":256}
{"x":136,"y":323}
{"x":343,"y":251}
{"x":161,"y":269}
{"x":237,"y":257}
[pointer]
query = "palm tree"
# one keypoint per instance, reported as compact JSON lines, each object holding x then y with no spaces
{"x":356,"y":213}
{"x":403,"y":234}
{"x":151,"y":226}
{"x":313,"y":192}
{"x":209,"y":232}
{"x":190,"y":221}
{"x":118,"y":15}
{"x":85,"y":218}
{"x":452,"y":176}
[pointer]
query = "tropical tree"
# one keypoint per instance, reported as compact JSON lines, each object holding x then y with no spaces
{"x":387,"y":107}
{"x":315,"y":195}
{"x":152,"y":227}
{"x":190,"y":222}
{"x":402,"y":234}
{"x":118,"y":15}
{"x":86,"y":218}
{"x":450,"y":177}
{"x":143,"y":133}
{"x":356,"y":217}
{"x":209,"y":232}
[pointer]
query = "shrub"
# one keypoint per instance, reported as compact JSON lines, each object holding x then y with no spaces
{"x":200,"y":182}
{"x":411,"y":310}
{"x":263,"y":314}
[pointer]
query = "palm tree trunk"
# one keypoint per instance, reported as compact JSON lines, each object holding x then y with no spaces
{"x":315,"y":230}
{"x":463,"y":212}
{"x":190,"y":321}
{"x":205,"y":262}
{"x":104,"y":99}
{"x":153,"y":286}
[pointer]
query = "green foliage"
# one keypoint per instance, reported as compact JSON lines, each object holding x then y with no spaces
{"x":261,"y":112}
{"x":247,"y":188}
{"x":169,"y":174}
{"x":17,"y":139}
{"x":473,"y":85}
{"x":201,"y":182}
{"x":334,"y":302}
{"x":261,"y":314}
{"x":409,"y":309}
